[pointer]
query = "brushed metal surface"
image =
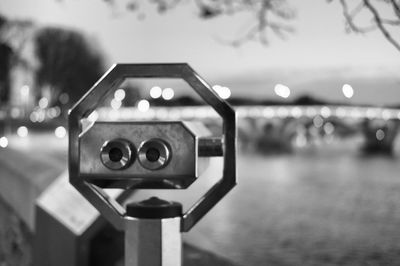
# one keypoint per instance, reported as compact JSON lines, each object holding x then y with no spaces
{"x":181,"y":168}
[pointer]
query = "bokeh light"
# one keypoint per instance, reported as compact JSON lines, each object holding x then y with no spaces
{"x":380,"y":134}
{"x":268,"y":112}
{"x":296,"y":112}
{"x":326,"y":112}
{"x":348,"y":91}
{"x":168,"y":94}
{"x":282,"y":112}
{"x":143,"y":105}
{"x":222,"y":91}
{"x":25,"y":90}
{"x":282,"y":90}
{"x":3,"y":142}
{"x":43,"y":102}
{"x":329,"y":128}
{"x":155,"y":92}
{"x":60,"y":132}
{"x":115,"y":104}
{"x":15,"y":112}
{"x":64,"y":98}
{"x":119,"y":94}
{"x":318,"y":121}
{"x":22,"y":131}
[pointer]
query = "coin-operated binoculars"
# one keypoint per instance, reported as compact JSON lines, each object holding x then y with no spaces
{"x":149,"y":155}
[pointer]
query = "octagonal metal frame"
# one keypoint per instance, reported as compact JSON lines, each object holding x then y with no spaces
{"x":107,"y":206}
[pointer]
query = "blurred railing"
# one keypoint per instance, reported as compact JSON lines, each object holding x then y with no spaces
{"x":280,"y":111}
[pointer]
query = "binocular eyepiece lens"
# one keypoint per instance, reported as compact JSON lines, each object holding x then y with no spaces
{"x":117,"y":154}
{"x":154,"y":154}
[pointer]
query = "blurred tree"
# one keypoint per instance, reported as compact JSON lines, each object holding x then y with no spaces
{"x":16,"y":34}
{"x":273,"y":15}
{"x":69,"y":64}
{"x":269,"y":15}
{"x":15,"y":43}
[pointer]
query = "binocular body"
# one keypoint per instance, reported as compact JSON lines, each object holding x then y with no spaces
{"x":144,"y":154}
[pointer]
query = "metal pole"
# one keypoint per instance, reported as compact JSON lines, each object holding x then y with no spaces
{"x":152,"y":233}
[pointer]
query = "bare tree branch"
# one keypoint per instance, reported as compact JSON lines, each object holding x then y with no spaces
{"x":396,"y":7}
{"x":265,"y":11}
{"x":250,"y":35}
{"x":273,"y":15}
{"x":379,"y":23}
{"x":349,"y":16}
{"x":390,"y":22}
{"x":262,"y":21}
{"x":268,"y":14}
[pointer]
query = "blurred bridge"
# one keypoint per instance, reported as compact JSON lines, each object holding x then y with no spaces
{"x":284,"y":125}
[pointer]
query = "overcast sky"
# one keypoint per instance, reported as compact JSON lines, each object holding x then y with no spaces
{"x":319,"y":47}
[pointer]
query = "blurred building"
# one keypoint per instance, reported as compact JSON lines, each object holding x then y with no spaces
{"x":22,"y":78}
{"x":18,"y":63}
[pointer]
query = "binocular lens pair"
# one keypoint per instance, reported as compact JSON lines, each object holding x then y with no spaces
{"x":119,"y":154}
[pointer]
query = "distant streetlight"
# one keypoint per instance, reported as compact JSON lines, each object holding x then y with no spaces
{"x":348,"y":91}
{"x":282,"y":112}
{"x":296,"y":112}
{"x":226,"y":93}
{"x":155,"y":92}
{"x":168,"y":94}
{"x":380,"y":134}
{"x":325,"y":112}
{"x":22,"y":132}
{"x":143,"y":106}
{"x":43,"y":102}
{"x":60,"y":132}
{"x":223,"y":92}
{"x":282,"y":90}
{"x":119,"y":94}
{"x":386,"y":114}
{"x":115,"y":104}
{"x":268,"y":112}
{"x":3,"y":142}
